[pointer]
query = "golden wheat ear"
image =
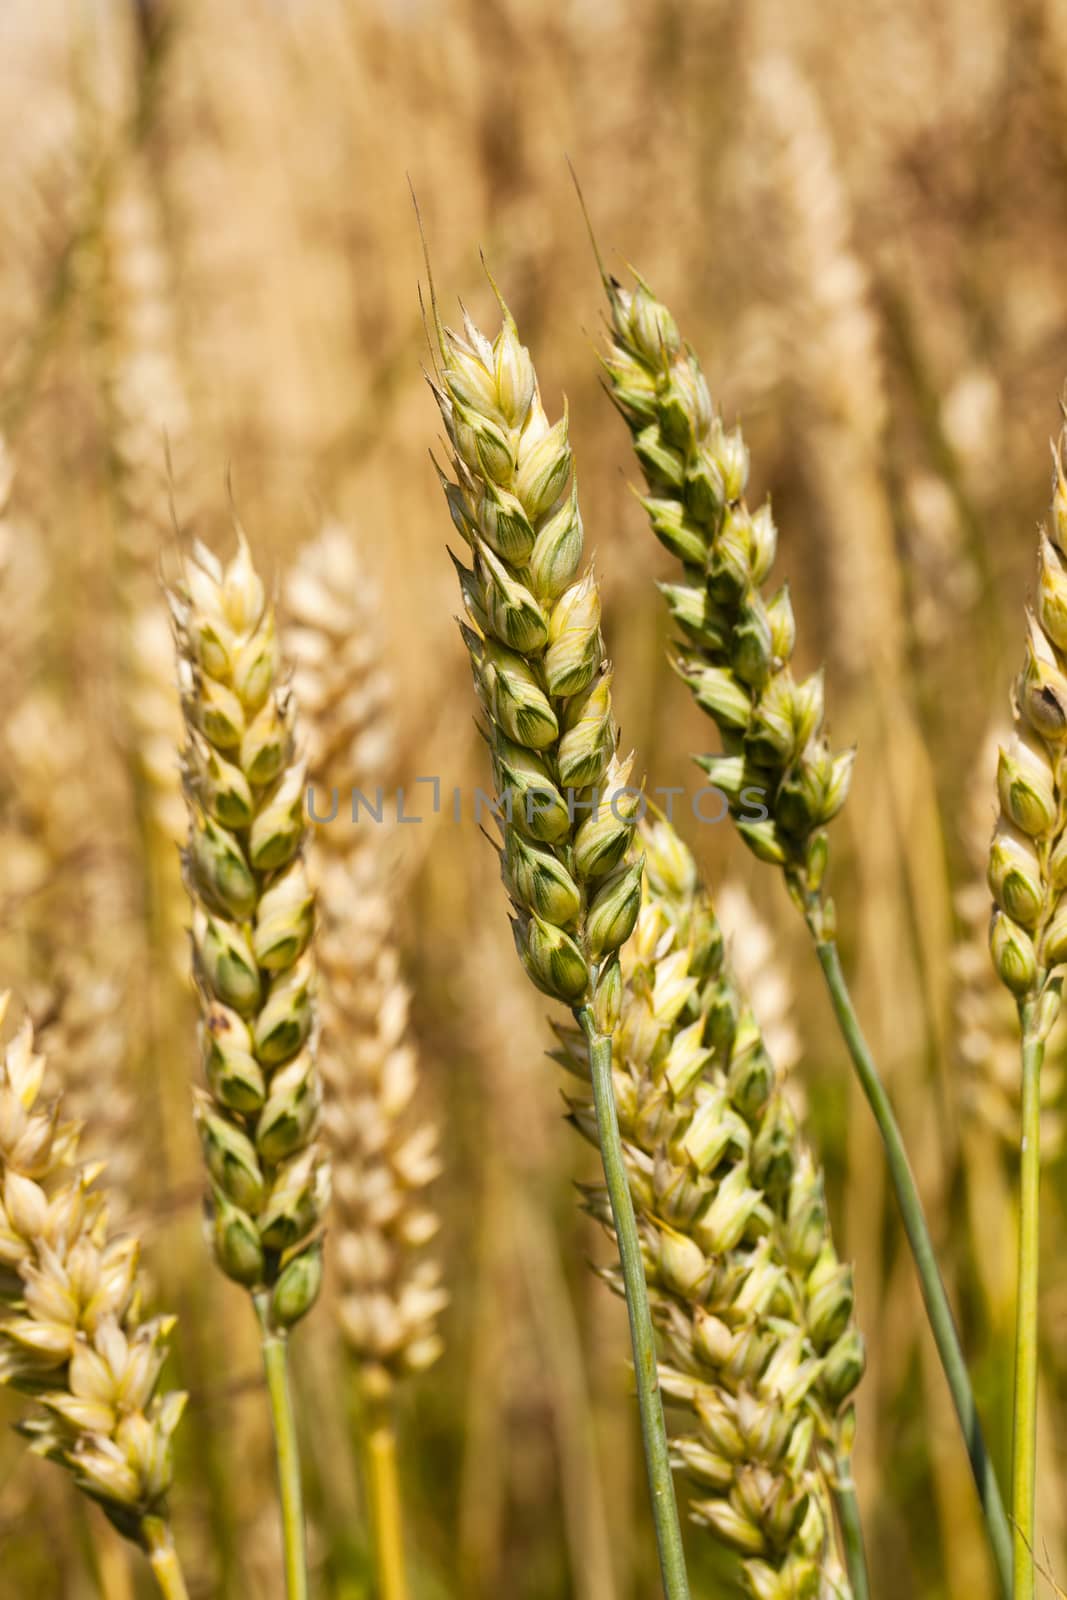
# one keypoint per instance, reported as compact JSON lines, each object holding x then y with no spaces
{"x":383,"y":1152}
{"x":72,"y":1336}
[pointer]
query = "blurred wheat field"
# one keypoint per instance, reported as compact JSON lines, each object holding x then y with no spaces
{"x":209,"y":270}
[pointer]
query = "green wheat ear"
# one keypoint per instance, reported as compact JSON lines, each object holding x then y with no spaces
{"x":253,"y":921}
{"x":544,"y":685}
{"x":734,"y":642}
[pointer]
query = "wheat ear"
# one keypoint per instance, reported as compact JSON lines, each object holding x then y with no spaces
{"x":754,"y":1308}
{"x":253,"y":920}
{"x":1028,"y":938}
{"x":985,"y":1012}
{"x":71,"y":1333}
{"x":566,"y":809}
{"x":383,"y":1154}
{"x":733,"y":649}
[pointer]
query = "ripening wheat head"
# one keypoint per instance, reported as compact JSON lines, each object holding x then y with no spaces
{"x":1028,"y":854}
{"x":383,"y":1154}
{"x":71,"y":1334}
{"x":987,"y":1026}
{"x":253,"y":919}
{"x":733,"y":646}
{"x":533,"y":633}
{"x":758,"y":1347}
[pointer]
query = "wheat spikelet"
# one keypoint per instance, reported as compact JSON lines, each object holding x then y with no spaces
{"x":754,"y":1308}
{"x":253,"y":918}
{"x":71,"y":1333}
{"x":383,"y":1154}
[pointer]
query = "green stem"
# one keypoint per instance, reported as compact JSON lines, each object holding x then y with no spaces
{"x":383,"y":1494}
{"x":163,"y":1558}
{"x":275,"y":1364}
{"x":1024,"y":1445}
{"x":646,"y":1372}
{"x":848,"y":1520}
{"x":938,"y":1310}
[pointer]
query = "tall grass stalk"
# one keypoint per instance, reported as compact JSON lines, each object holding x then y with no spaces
{"x":287,"y":1453}
{"x":848,"y":1521}
{"x":649,"y":1400}
{"x":1024,"y":1444}
{"x":384,"y":1498}
{"x":163,"y":1559}
{"x":931,"y":1284}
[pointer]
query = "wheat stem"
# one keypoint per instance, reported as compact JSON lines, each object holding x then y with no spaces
{"x":650,"y":1404}
{"x":383,"y":1493}
{"x":276,"y":1367}
{"x":848,"y":1521}
{"x":938,"y":1310}
{"x":163,"y":1558}
{"x":1024,"y":1436}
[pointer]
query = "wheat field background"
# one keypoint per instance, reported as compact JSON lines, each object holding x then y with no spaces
{"x":209,"y":272}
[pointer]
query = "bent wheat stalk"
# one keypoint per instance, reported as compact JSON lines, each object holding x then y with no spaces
{"x":565,"y":809}
{"x":753,"y":1305}
{"x":1028,"y":939}
{"x":776,"y":770}
{"x":253,"y":919}
{"x":71,"y":1334}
